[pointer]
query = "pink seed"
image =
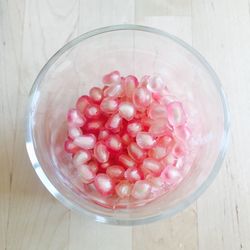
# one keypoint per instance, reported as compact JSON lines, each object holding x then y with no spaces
{"x":93,"y":126}
{"x":171,"y":175}
{"x":105,"y":165}
{"x":86,"y":174}
{"x":155,"y":84}
{"x":75,"y":118}
{"x":183,"y":132}
{"x":144,"y":81}
{"x":136,"y":152}
{"x":113,"y":142}
{"x":145,"y":140}
{"x":157,"y":111}
{"x":82,"y":103}
{"x":70,"y":147}
{"x":93,"y":165}
{"x":114,"y":90}
{"x":134,"y":128}
{"x":170,"y":159}
{"x":103,"y":134}
{"x":92,"y":111}
{"x":179,"y":150}
{"x":130,"y":84}
{"x":104,"y":184}
{"x":74,"y":132}
{"x":114,"y":123}
{"x":159,"y":127}
{"x":109,"y":105}
{"x":81,"y":157}
{"x":115,"y":172}
{"x":152,"y":166}
{"x":127,"y":110}
{"x":158,"y":152}
{"x":127,"y":161}
{"x":123,"y":189}
{"x":85,"y":141}
{"x":112,"y":77}
{"x":125,"y":139}
{"x":101,"y":152}
{"x":133,"y":174}
{"x":96,"y":94}
{"x":141,"y":190}
{"x":176,"y":114}
{"x":157,"y":183}
{"x":141,"y":98}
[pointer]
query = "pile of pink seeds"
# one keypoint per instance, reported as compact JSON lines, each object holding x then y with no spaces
{"x":129,"y":138}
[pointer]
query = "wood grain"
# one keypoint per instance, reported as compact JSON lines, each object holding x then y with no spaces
{"x":30,"y":32}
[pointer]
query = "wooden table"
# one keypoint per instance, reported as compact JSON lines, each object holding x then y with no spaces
{"x":30,"y":32}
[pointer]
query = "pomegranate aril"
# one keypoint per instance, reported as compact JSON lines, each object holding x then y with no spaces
{"x":74,"y":132}
{"x":105,"y":165}
{"x":133,"y":174}
{"x":96,"y":94}
{"x":176,"y":115}
{"x":158,"y":152}
{"x":104,"y":184}
{"x":86,"y":174}
{"x":130,"y":84}
{"x":75,"y":119}
{"x":127,"y":161}
{"x":127,"y":110}
{"x":141,"y":190}
{"x":112,"y":77}
{"x":145,"y":140}
{"x":155,"y":84}
{"x":183,"y":132}
{"x":123,"y":189}
{"x":93,"y":165}
{"x":144,"y":81}
{"x":109,"y":105}
{"x":159,"y":127}
{"x":157,"y":111}
{"x":136,"y":152}
{"x":141,"y":98}
{"x":134,"y":128}
{"x":103,"y":134}
{"x":86,"y":141}
{"x":70,"y":147}
{"x":113,"y":142}
{"x":115,"y":172}
{"x":114,"y":90}
{"x":170,"y":159}
{"x":171,"y":175}
{"x":114,"y":123}
{"x":93,"y":126}
{"x":82,"y":103}
{"x":157,"y":183}
{"x":92,"y":111}
{"x":101,"y":152}
{"x":179,"y":150}
{"x":126,"y":139}
{"x":81,"y":157}
{"x":152,"y":166}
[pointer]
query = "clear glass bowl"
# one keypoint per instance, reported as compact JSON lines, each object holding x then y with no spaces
{"x":137,"y":50}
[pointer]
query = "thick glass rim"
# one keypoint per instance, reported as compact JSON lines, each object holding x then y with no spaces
{"x":100,"y":217}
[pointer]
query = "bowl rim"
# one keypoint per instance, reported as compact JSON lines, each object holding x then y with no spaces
{"x":100,"y":217}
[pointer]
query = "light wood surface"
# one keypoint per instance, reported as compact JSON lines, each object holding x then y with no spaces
{"x":30,"y":32}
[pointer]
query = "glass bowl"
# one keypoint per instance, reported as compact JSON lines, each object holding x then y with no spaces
{"x":136,"y":50}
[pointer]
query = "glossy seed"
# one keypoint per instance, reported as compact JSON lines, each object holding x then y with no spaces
{"x":93,"y":165}
{"x":126,"y":139}
{"x":176,"y":115}
{"x":74,"y":132}
{"x":135,"y":152}
{"x":123,"y":189}
{"x":82,"y":103}
{"x":152,"y":166}
{"x":112,"y":77}
{"x":141,"y":190}
{"x":92,"y":111}
{"x":70,"y":147}
{"x":104,"y":184}
{"x":109,"y":105}
{"x":171,"y":175}
{"x":155,"y":84}
{"x":145,"y":140}
{"x":85,"y":141}
{"x":113,"y":142}
{"x":114,"y":123}
{"x":81,"y":157}
{"x":134,"y":128}
{"x":127,"y":161}
{"x":114,"y":90}
{"x":133,"y":174}
{"x":93,"y":126}
{"x":127,"y":110}
{"x":115,"y":172}
{"x":141,"y":98}
{"x":130,"y":84}
{"x":75,"y":119}
{"x":101,"y":152}
{"x":96,"y":94}
{"x":86,"y":174}
{"x":157,"y":111}
{"x":103,"y":134}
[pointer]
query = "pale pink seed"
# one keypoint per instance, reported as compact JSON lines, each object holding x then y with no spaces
{"x":141,"y":97}
{"x":127,"y":110}
{"x":158,"y":152}
{"x":126,"y":139}
{"x":86,"y":174}
{"x":152,"y":166}
{"x":170,"y":159}
{"x":74,"y":132}
{"x":81,"y":157}
{"x":114,"y":90}
{"x":134,"y":128}
{"x":136,"y":152}
{"x":159,"y":127}
{"x":183,"y":132}
{"x":155,"y":84}
{"x":130,"y":84}
{"x":92,"y":111}
{"x":109,"y":105}
{"x":179,"y":150}
{"x":104,"y":184}
{"x":93,"y":126}
{"x":123,"y":189}
{"x":157,"y":183}
{"x":114,"y":123}
{"x":75,"y":118}
{"x":145,"y":140}
{"x":101,"y":152}
{"x":113,"y":142}
{"x":70,"y":147}
{"x":96,"y":94}
{"x":82,"y":103}
{"x":85,"y":141}
{"x":93,"y":165}
{"x":176,"y":115}
{"x":127,"y":161}
{"x":112,"y":77}
{"x":141,"y":190}
{"x":133,"y":174}
{"x":157,"y":111}
{"x":103,"y":134}
{"x":166,"y":99}
{"x":115,"y":172}
{"x":144,"y":81}
{"x":171,"y":175}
